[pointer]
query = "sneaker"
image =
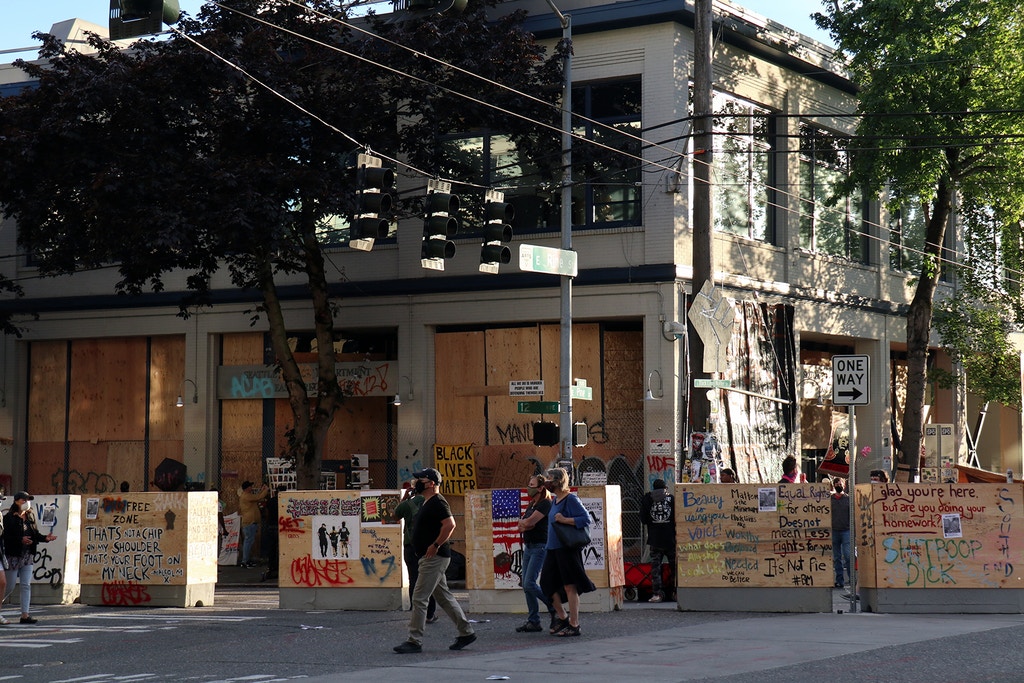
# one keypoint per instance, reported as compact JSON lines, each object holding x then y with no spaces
{"x":656,"y":598}
{"x":4,"y":621}
{"x":462,"y":641}
{"x":432,"y":619}
{"x":529,"y":627}
{"x":29,"y":620}
{"x":839,"y":584}
{"x":408,"y":647}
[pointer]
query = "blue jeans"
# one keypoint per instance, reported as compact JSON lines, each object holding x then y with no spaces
{"x":24,"y":575}
{"x":841,"y":553}
{"x":533,"y":560}
{"x":248,"y":540}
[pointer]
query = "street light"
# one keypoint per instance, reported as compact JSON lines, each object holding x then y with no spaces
{"x":195,"y":394}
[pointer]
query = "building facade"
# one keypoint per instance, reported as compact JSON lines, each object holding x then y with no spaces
{"x":91,"y":392}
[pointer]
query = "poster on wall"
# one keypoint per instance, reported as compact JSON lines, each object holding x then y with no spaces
{"x":457,"y":465}
{"x":593,"y":554}
{"x":337,"y":535}
{"x":228,"y":555}
{"x":507,"y":507}
{"x":379,"y":508}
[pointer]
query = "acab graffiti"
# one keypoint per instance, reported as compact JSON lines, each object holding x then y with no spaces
{"x":306,"y":571}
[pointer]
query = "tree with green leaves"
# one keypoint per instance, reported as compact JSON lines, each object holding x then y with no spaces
{"x":230,"y":147}
{"x":941,"y":96}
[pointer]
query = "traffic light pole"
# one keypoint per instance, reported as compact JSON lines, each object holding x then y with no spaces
{"x":565,"y":326}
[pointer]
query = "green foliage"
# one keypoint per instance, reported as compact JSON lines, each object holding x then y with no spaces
{"x":974,"y":331}
{"x":171,"y":159}
{"x":941,"y":88}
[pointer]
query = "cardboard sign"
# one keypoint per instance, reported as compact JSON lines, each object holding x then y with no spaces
{"x":751,"y":535}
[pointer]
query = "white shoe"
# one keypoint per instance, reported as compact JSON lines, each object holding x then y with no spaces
{"x":4,"y":621}
{"x":656,"y":598}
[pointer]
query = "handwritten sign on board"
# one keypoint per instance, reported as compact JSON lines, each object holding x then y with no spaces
{"x":726,"y":536}
{"x":941,"y":535}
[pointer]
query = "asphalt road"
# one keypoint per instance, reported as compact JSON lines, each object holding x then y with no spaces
{"x":245,"y":637}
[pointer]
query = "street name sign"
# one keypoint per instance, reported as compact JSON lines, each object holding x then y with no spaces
{"x":538,"y":407}
{"x":712,"y":383}
{"x":581,"y":393}
{"x":539,"y":259}
{"x":850,"y":376}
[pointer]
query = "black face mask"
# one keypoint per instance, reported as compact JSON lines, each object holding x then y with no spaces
{"x":420,"y":486}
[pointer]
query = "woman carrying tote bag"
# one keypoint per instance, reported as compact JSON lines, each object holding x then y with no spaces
{"x":563,"y":576}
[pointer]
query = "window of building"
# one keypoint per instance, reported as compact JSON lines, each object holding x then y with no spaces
{"x":907,"y":226}
{"x":606,"y":190}
{"x":493,"y":159}
{"x":744,"y":168}
{"x":607,"y":176}
{"x":832,"y":220}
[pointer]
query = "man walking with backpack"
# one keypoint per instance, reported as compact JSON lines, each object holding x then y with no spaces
{"x":657,"y":512}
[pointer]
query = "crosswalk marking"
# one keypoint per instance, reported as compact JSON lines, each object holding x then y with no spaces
{"x":128,"y":624}
{"x":36,"y":643}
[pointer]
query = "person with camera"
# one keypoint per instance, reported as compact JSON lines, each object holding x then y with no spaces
{"x":21,"y":537}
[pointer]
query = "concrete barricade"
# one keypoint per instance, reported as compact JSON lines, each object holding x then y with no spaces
{"x":941,"y":548}
{"x":493,"y":552}
{"x":340,"y":550}
{"x":154,"y":549}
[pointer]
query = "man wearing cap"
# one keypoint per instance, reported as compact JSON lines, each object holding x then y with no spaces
{"x":432,"y":528}
{"x":657,"y":512}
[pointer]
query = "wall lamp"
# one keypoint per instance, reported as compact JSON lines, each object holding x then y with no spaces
{"x":397,"y":400}
{"x":649,"y":396}
{"x":195,"y":394}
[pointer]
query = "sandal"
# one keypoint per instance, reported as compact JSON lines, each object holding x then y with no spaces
{"x":569,"y":631}
{"x":559,"y":626}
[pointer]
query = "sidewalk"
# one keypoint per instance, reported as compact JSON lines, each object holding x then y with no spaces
{"x":724,"y":645}
{"x":734,"y":647}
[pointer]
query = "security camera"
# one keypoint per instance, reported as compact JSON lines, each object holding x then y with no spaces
{"x":675,"y":328}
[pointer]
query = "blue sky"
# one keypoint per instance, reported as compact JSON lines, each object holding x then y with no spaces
{"x":18,"y":20}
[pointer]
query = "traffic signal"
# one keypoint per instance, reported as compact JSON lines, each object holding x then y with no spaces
{"x":545,"y":433}
{"x":374,"y":185}
{"x":440,"y":222}
{"x":497,"y":231}
{"x":134,"y":18}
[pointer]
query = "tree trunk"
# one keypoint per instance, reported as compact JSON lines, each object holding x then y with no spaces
{"x":290,"y":373}
{"x":919,"y":324}
{"x":328,"y":392}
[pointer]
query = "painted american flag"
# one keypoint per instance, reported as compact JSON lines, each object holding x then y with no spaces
{"x":507,"y":506}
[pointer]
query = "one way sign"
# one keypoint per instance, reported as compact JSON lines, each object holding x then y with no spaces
{"x":850,"y":380}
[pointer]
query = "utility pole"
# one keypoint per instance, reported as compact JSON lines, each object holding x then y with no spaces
{"x":703,"y":208}
{"x":565,"y":323}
